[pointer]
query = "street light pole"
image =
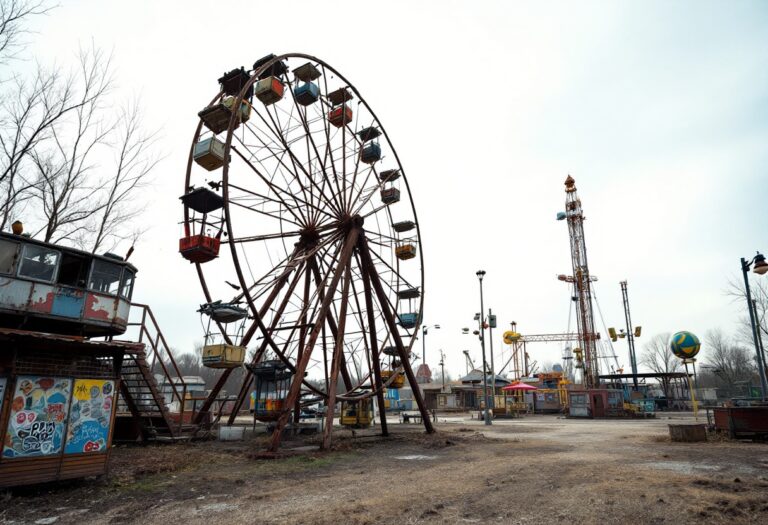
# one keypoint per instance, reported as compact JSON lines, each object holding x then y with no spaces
{"x":480,"y":274}
{"x":424,"y":332}
{"x":760,"y":268}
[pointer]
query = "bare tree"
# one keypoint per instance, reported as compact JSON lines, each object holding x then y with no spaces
{"x":658,"y":357}
{"x":729,"y":361}
{"x":13,"y":17}
{"x":65,"y":183}
{"x":27,"y":119}
{"x":759,"y":291}
{"x":135,"y":160}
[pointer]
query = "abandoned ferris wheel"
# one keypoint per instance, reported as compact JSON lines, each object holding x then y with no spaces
{"x":300,"y":222}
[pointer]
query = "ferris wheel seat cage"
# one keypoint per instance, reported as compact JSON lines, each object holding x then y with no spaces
{"x":217,"y":117}
{"x":223,"y":312}
{"x":269,"y":90}
{"x":275,"y":70}
{"x":202,"y":200}
{"x":209,"y":153}
{"x":307,"y":94}
{"x":234,"y":81}
{"x":199,"y":248}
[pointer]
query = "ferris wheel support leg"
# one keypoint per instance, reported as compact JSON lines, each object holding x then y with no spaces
{"x":301,"y":366}
{"x":384,"y":302}
{"x":338,"y":350}
{"x":374,"y":350}
{"x":334,"y":329}
{"x":248,"y":377}
{"x":260,"y":351}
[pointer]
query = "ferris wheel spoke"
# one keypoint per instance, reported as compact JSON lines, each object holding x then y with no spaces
{"x":328,"y":154}
{"x":311,"y":220}
{"x":298,"y":164}
{"x":265,"y":213}
{"x":311,"y":140}
{"x":267,"y":336}
{"x":277,"y":156}
{"x":290,"y":153}
{"x":273,"y":188}
{"x":395,"y":272}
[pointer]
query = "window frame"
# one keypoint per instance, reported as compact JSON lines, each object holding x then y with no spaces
{"x":123,"y":274}
{"x":94,"y":262}
{"x":20,"y":265}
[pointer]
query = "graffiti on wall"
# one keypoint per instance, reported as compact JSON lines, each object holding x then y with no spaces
{"x":90,"y":416}
{"x":38,"y":417}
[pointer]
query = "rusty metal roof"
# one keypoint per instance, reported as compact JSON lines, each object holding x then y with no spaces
{"x":69,"y":341}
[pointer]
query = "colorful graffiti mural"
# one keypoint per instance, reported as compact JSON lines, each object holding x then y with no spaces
{"x":89,"y":416}
{"x":38,"y":418}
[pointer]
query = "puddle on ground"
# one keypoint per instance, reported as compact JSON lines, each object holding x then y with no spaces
{"x":682,"y":467}
{"x":415,"y":457}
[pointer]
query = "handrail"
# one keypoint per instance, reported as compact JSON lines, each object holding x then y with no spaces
{"x":154,"y":343}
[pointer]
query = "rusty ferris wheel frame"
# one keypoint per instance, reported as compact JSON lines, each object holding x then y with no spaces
{"x":290,"y":173}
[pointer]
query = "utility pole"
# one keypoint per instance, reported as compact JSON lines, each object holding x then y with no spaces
{"x":442,"y":367}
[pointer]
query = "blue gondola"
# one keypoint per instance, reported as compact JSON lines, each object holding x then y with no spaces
{"x":306,"y":93}
{"x":370,"y":153}
{"x":408,"y":320}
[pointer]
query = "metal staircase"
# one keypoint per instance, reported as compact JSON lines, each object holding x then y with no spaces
{"x":142,"y":399}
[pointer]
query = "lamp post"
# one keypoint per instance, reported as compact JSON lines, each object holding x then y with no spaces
{"x":424,"y":332}
{"x":760,"y":267}
{"x":480,"y":274}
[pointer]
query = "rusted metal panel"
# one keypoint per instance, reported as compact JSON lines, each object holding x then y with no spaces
{"x":123,"y":309}
{"x":14,"y":294}
{"x":68,"y":302}
{"x":41,"y":299}
{"x":99,"y":307}
{"x":742,"y":421}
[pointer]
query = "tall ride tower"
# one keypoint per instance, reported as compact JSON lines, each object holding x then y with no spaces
{"x":582,"y":284}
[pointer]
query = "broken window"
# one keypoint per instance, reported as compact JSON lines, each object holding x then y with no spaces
{"x":38,"y":262}
{"x":73,"y":271}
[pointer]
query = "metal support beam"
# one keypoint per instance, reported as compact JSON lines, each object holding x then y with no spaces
{"x":384,"y":303}
{"x":301,"y":365}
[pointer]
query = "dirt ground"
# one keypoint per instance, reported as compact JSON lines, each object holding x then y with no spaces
{"x":536,"y":469}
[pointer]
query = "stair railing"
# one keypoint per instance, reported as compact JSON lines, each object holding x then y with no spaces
{"x":151,"y":334}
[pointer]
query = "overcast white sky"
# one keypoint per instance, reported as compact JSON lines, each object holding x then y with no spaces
{"x":659,"y":110}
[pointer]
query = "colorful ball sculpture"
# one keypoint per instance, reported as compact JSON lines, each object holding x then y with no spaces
{"x":685,"y":345}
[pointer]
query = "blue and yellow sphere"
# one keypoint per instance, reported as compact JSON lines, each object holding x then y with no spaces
{"x":684,"y":345}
